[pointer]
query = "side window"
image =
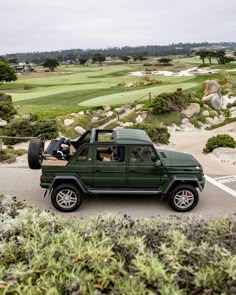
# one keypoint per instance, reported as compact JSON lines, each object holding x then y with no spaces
{"x":110,"y":153}
{"x":83,"y":154}
{"x":141,"y":154}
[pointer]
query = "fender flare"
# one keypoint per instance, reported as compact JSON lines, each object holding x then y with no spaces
{"x":177,"y":179}
{"x":67,"y":178}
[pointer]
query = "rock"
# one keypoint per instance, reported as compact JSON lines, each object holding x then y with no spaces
{"x":26,"y":117}
{"x":233,"y":112}
{"x":88,"y":112}
{"x":210,"y":120}
{"x":188,"y":127}
{"x":130,"y":84}
{"x":109,"y":114}
{"x":126,"y":107}
{"x":185,"y":121}
{"x":144,"y":115}
{"x":226,"y":155}
{"x":94,"y":120}
{"x":228,"y":101}
{"x":74,"y":115}
{"x":127,"y":124}
{"x":68,"y":122}
{"x":174,"y":128}
{"x":214,"y":113}
{"x":107,"y":108}
{"x":206,"y":106}
{"x":139,"y":119}
{"x":81,"y":113}
{"x":191,"y":110}
{"x":16,"y":117}
{"x":117,"y":110}
{"x":212,"y":94}
{"x":80,"y":130}
{"x":97,"y":113}
{"x":138,"y":106}
{"x":3,"y":123}
{"x":206,"y":113}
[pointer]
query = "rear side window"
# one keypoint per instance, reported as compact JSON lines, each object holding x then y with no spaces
{"x":110,"y":153}
{"x":83,"y":154}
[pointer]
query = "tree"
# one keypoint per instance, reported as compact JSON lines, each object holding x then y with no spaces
{"x":98,"y":58}
{"x":203,"y":54}
{"x":7,"y":73}
{"x":83,"y":60}
{"x":164,"y":60}
{"x":139,"y":57}
{"x":220,"y":56}
{"x":51,"y":64}
{"x":125,"y":58}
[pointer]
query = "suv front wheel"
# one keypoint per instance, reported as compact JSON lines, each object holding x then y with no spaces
{"x":66,"y":197}
{"x":183,"y":198}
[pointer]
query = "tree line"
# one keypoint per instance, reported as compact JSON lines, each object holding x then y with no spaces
{"x":137,"y":51}
{"x":220,"y":55}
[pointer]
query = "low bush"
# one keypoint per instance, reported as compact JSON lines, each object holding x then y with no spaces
{"x":9,"y":155}
{"x":170,"y":102}
{"x":43,"y":253}
{"x":47,"y":128}
{"x":220,"y":140}
{"x":7,"y":109}
{"x":24,"y":128}
{"x":157,"y":134}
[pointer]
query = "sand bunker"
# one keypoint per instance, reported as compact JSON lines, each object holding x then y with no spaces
{"x":185,"y":73}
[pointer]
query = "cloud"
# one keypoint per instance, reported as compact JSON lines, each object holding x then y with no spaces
{"x":28,"y":25}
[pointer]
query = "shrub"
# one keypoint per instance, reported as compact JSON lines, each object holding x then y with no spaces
{"x":18,"y":127}
{"x":157,"y":134}
{"x":7,"y":109}
{"x":9,"y":155}
{"x":170,"y":102}
{"x":44,"y":253}
{"x":24,"y":128}
{"x":220,"y":140}
{"x":46,"y":128}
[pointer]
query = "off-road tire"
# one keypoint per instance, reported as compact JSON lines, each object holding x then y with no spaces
{"x":35,"y":151}
{"x":183,"y":198}
{"x":63,"y":191}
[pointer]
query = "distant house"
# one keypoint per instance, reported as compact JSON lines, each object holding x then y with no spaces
{"x":23,"y":68}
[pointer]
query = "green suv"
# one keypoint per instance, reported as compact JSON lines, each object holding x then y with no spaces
{"x":119,"y":161}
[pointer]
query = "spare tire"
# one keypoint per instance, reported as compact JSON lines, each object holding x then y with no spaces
{"x":35,"y":152}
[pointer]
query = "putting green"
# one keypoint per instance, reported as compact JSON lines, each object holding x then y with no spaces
{"x":129,"y":97}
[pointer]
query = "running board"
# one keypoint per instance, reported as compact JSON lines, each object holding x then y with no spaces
{"x":132,"y":192}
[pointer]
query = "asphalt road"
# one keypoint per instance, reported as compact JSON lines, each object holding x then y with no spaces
{"x":214,"y":201}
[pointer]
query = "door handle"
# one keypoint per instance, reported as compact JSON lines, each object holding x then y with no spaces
{"x":98,"y":171}
{"x":133,"y":171}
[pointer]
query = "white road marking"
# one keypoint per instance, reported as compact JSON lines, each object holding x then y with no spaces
{"x":222,"y":177}
{"x":221,"y":186}
{"x":226,"y":179}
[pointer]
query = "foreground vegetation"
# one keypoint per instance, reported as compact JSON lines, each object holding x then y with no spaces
{"x":41,"y":253}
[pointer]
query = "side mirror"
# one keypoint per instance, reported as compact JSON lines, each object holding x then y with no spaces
{"x":157,"y":163}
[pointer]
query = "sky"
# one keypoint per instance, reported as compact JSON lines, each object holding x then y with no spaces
{"x":47,"y":25}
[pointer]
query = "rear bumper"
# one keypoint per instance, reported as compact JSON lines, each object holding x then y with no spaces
{"x":44,"y":184}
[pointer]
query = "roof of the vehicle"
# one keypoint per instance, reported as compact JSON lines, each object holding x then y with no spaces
{"x":130,"y":136}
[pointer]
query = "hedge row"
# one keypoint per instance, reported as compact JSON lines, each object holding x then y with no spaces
{"x":41,"y":253}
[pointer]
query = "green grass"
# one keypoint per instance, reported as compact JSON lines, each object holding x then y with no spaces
{"x":74,"y":87}
{"x":165,"y":119}
{"x":130,"y":97}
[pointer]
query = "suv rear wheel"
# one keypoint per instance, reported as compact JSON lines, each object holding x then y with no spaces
{"x":66,"y":197}
{"x":183,"y":198}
